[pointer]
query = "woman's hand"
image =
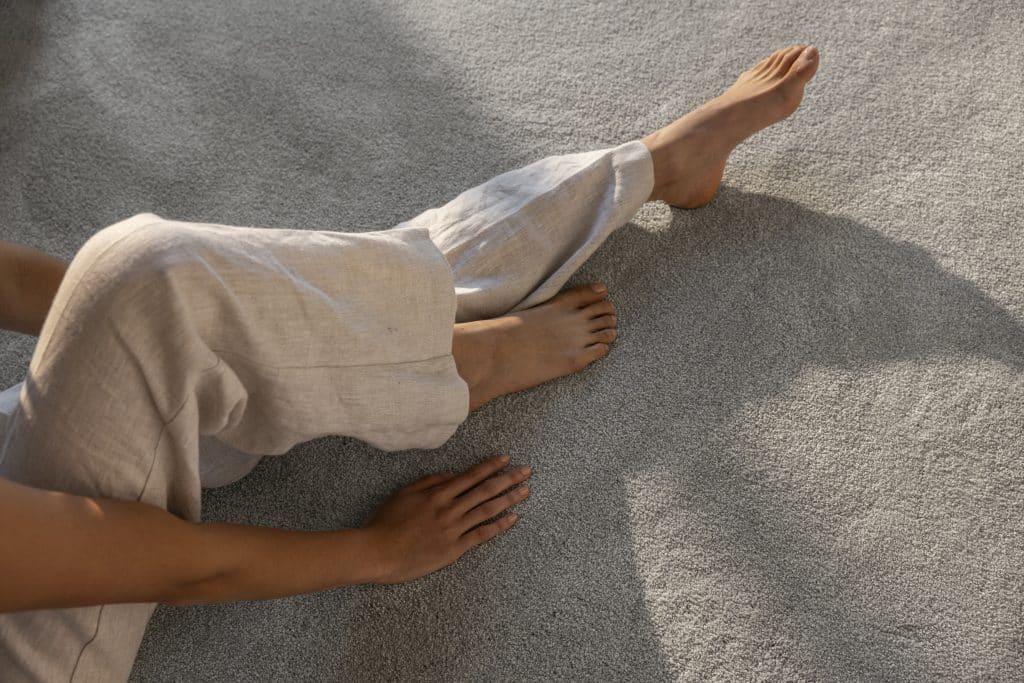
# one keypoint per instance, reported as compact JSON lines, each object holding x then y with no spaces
{"x":62,"y":550}
{"x":434,"y":521}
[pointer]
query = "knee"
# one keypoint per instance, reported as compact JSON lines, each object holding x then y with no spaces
{"x":143,"y":248}
{"x":131,"y":264}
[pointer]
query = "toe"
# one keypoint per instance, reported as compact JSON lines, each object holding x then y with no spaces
{"x":787,"y":61}
{"x":589,"y":355}
{"x":779,"y":54}
{"x":602,"y":322}
{"x":763,"y":64}
{"x":606,"y":336}
{"x":598,"y":309}
{"x":596,"y":352}
{"x":773,"y":60}
{"x":584,"y":295}
{"x":806,"y":64}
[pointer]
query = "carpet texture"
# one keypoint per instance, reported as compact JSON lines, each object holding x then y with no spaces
{"x":802,"y":459}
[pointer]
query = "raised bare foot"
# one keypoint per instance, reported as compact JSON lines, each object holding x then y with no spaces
{"x":689,"y":154}
{"x":523,"y":349}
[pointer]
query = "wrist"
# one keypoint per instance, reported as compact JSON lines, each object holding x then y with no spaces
{"x":373,"y":560}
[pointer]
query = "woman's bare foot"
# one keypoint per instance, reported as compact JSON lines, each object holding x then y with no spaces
{"x":690,"y":154}
{"x":524,"y":349}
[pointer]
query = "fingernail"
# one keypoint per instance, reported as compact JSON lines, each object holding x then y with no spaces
{"x":525,"y":470}
{"x":503,"y":458}
{"x":599,"y":288}
{"x":525,"y":491}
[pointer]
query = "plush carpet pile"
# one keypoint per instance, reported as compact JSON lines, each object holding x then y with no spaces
{"x":802,"y":459}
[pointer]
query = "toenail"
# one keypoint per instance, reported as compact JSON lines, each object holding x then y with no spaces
{"x":599,"y":288}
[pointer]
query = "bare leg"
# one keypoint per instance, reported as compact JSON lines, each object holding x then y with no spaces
{"x":265,"y":339}
{"x":689,"y":154}
{"x":572,"y":330}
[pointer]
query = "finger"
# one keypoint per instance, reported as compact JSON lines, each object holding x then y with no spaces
{"x":473,"y":476}
{"x":484,"y":533}
{"x":428,"y":481}
{"x":490,"y":488}
{"x":495,"y":507}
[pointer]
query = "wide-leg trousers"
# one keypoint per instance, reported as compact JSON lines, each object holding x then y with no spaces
{"x":176,"y":354}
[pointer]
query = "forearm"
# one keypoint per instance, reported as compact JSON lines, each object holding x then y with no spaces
{"x":62,"y":550}
{"x":255,"y":563}
{"x":29,"y":279}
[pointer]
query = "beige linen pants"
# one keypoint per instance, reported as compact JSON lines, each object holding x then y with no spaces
{"x":176,"y":354}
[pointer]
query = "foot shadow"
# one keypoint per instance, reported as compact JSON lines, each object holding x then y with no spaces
{"x":648,"y":527}
{"x":648,"y":506}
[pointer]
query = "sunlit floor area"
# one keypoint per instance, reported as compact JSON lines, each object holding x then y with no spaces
{"x":801,"y":459}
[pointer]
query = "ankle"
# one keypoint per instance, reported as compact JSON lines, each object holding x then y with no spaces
{"x":474,"y":351}
{"x":662,"y":161}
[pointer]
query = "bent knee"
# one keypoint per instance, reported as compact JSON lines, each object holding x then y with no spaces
{"x":129,"y":262}
{"x":138,"y":247}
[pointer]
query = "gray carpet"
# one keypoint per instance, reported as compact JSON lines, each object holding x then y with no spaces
{"x":802,"y":459}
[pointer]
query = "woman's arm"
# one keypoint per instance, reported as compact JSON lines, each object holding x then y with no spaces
{"x":28,"y":282}
{"x":61,"y":550}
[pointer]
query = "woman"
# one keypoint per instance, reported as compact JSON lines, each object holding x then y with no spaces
{"x":174,"y":355}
